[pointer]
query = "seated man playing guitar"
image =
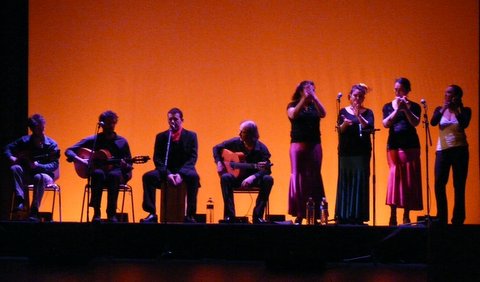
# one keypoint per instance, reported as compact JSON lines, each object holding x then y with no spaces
{"x":34,"y":161}
{"x":244,"y":162}
{"x":110,"y":176}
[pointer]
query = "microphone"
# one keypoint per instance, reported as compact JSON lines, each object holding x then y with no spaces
{"x":100,"y":123}
{"x":173,"y":126}
{"x":339,"y":95}
{"x":424,"y":103}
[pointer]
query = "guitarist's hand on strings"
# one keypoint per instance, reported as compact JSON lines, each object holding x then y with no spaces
{"x":220,"y":167}
{"x":81,"y":160}
{"x":13,"y":159}
{"x":262,"y":165}
{"x":124,"y":164}
{"x":34,"y":164}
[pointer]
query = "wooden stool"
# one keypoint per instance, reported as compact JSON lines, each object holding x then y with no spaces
{"x":172,"y":203}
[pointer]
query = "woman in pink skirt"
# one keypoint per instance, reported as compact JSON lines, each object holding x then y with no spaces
{"x":404,"y":187}
{"x":304,"y":112}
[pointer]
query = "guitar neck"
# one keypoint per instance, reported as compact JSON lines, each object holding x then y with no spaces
{"x":134,"y":160}
{"x":237,"y":165}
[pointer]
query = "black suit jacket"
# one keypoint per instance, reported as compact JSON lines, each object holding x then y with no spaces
{"x":188,"y":141}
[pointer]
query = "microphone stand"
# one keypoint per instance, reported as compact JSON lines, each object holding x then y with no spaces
{"x":428,"y":141}
{"x":374,"y":176}
{"x":337,"y":129}
{"x":164,"y":206}
{"x":89,"y":168}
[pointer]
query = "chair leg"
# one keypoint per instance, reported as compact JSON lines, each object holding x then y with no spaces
{"x":59,"y":203}
{"x":123,"y":198}
{"x":12,"y":206}
{"x":53,"y":200}
{"x":83,"y":204}
{"x":133,"y":209}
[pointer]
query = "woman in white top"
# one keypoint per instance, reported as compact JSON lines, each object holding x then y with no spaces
{"x":452,"y":151}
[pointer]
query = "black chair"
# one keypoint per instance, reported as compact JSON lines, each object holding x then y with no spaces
{"x":253,"y":190}
{"x":123,"y":188}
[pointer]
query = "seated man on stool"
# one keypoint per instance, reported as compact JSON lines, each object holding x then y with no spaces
{"x":257,"y":171}
{"x":175,"y":155}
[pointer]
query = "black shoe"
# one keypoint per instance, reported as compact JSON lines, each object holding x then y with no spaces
{"x":96,"y":216}
{"x":151,"y":218}
{"x":113,"y":219}
{"x":190,"y":219}
{"x":228,"y":219}
{"x":298,"y":220}
{"x":33,"y":218}
{"x":19,"y":207}
{"x":259,"y":220}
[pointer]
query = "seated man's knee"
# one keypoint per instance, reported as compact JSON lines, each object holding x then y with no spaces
{"x":268,"y":180}
{"x":151,"y":177}
{"x":227,"y":178}
{"x":37,"y":178}
{"x":191,"y":178}
{"x":16,"y":168}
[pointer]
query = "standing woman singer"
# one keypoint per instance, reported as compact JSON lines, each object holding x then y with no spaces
{"x":404,"y":187}
{"x":452,"y":151}
{"x":304,"y":112}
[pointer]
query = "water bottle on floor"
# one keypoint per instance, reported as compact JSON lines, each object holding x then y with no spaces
{"x":210,"y":209}
{"x":310,"y":212}
{"x":324,"y":211}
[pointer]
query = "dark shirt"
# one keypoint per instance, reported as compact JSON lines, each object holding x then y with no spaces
{"x":259,"y":153}
{"x":46,"y":156}
{"x":182,"y":155}
{"x":118,"y":147}
{"x":401,"y":133}
{"x":306,"y":126}
{"x":351,"y":143}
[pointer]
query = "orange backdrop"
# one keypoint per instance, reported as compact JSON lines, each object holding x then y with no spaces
{"x":222,"y":62}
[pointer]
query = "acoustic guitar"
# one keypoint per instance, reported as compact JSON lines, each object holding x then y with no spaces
{"x":26,"y":158}
{"x":102,"y":159}
{"x":234,"y":163}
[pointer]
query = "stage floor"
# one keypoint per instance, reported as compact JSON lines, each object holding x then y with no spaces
{"x":267,"y":250}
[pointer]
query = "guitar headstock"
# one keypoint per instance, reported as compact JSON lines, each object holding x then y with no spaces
{"x":140,"y":159}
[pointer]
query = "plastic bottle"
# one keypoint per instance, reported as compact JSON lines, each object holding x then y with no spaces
{"x":324,"y":211}
{"x":210,"y":209}
{"x":310,"y":213}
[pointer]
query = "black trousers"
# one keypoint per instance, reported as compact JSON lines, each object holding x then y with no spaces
{"x":457,"y":159}
{"x":110,"y":179}
{"x":229,"y":183}
{"x":154,"y":179}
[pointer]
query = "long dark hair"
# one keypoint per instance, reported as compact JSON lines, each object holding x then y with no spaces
{"x":298,"y":92}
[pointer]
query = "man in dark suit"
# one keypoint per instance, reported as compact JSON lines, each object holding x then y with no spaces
{"x":175,"y":155}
